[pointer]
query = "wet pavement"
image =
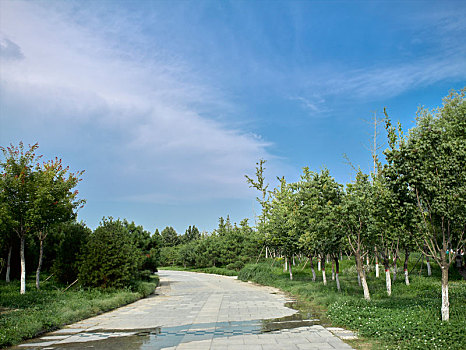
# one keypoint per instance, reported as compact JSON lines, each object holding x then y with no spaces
{"x":200,"y":311}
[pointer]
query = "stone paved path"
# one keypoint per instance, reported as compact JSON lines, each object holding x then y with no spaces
{"x":196,"y":311}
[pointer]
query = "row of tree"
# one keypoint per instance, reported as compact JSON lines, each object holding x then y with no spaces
{"x":229,"y":246}
{"x":414,"y":200}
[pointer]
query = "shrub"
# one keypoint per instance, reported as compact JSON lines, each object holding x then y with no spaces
{"x":110,"y":258}
{"x":74,"y":238}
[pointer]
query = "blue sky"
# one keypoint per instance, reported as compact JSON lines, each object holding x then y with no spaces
{"x":168,"y":104}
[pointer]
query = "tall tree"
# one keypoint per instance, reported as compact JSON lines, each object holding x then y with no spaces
{"x":19,"y":170}
{"x":355,"y":218}
{"x":55,"y":201}
{"x":431,"y":162}
{"x":169,"y":237}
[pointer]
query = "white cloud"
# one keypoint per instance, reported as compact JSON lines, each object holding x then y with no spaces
{"x":139,"y":120}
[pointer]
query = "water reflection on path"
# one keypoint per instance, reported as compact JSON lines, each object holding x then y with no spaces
{"x":166,"y":337}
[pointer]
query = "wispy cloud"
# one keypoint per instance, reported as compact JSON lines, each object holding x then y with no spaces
{"x":139,"y":123}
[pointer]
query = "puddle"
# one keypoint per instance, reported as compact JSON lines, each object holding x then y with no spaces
{"x":159,"y":338}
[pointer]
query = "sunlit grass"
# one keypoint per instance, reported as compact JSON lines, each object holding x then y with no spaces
{"x":26,"y":316}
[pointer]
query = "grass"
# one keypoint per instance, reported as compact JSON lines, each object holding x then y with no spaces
{"x":29,"y":315}
{"x":409,"y":319}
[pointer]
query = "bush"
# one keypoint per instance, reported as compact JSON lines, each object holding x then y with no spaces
{"x":110,"y":258}
{"x":74,"y":238}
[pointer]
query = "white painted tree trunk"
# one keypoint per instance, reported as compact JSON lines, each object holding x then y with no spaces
{"x":388,"y":282}
{"x":445,"y":302}
{"x":324,"y":277}
{"x":377,"y":274}
{"x":338,"y":281}
{"x":359,"y":279}
{"x":333,"y":270}
{"x":365,"y":287}
{"x":8,"y":264}
{"x":319,"y":267}
{"x":23,"y":266}
{"x":429,"y":270}
{"x":406,"y":277}
{"x":285,"y":268}
{"x":266,"y":252}
{"x":291,"y":272}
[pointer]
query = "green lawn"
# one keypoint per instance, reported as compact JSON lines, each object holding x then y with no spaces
{"x":26,"y":316}
{"x":409,"y":319}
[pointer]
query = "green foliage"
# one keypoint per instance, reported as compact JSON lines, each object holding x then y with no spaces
{"x":169,"y":237}
{"x":229,"y":245}
{"x":73,"y":238}
{"x":110,"y":257}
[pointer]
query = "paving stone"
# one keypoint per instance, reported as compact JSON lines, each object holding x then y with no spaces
{"x":198,"y":311}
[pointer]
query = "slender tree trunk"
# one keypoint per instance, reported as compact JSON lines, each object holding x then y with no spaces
{"x":388,"y":281}
{"x":445,"y":302}
{"x":429,"y":270}
{"x":333,"y":270}
{"x":294,"y":263}
{"x":337,"y":273}
{"x":8,"y":264}
{"x":324,"y":277}
{"x":266,"y":252}
{"x":23,"y":265}
{"x":312,"y":269}
{"x":291,"y":272}
{"x":405,"y":266}
{"x":285,"y":267}
{"x":319,"y":265}
{"x":39,"y":265}
{"x":377,"y":274}
{"x":359,"y":280}
{"x":395,"y":267}
{"x":362,"y":276}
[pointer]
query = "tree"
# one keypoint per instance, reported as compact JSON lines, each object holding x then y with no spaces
{"x":355,"y":218}
{"x":191,"y":234}
{"x":169,"y":237}
{"x":19,"y":170}
{"x":282,"y":221}
{"x":110,"y":258}
{"x":431,"y":163}
{"x":54,"y":201}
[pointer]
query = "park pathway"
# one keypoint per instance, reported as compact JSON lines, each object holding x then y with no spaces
{"x":198,"y":311}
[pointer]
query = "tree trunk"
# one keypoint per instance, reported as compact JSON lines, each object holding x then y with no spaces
{"x":8,"y":264}
{"x":333,"y":270}
{"x":294,"y":263}
{"x":405,"y":266}
{"x":388,"y":281}
{"x":377,"y":275}
{"x":445,"y":303}
{"x":23,"y":266}
{"x":39,"y":265}
{"x":319,"y":267}
{"x":362,"y":277}
{"x":312,"y":269}
{"x":291,"y":272}
{"x":429,"y":270}
{"x":359,"y":279}
{"x":266,"y":252}
{"x":324,"y":277}
{"x":395,"y":267}
{"x":285,"y":267}
{"x":337,"y":273}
